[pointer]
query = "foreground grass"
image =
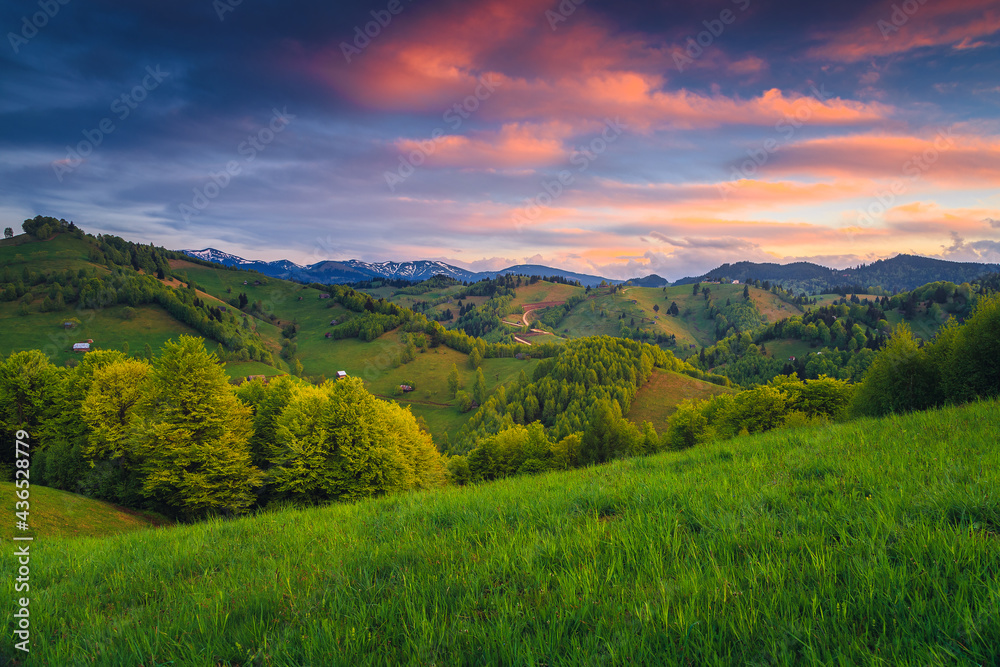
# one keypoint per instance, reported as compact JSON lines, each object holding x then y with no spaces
{"x":870,"y":543}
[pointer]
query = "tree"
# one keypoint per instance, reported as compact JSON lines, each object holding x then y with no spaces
{"x":475,"y":358}
{"x":8,"y":233}
{"x":192,"y":434}
{"x":453,"y":381}
{"x":746,"y":292}
{"x":340,"y":442}
{"x":971,"y":365}
{"x":464,"y":399}
{"x":108,"y":409}
{"x":479,"y":388}
{"x":28,"y":389}
{"x":900,"y":378}
{"x":656,"y":308}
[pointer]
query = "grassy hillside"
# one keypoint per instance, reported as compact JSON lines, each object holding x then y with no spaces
{"x":870,"y":543}
{"x":692,"y":327}
{"x":106,"y":327}
{"x":658,"y":399}
{"x":59,"y":514}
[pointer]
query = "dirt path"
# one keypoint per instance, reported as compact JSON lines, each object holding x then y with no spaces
{"x":521,"y":340}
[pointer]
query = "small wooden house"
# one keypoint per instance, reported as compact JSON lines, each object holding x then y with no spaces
{"x":81,"y":347}
{"x":341,"y":375}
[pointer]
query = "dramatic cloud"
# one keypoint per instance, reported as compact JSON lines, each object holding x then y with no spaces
{"x":606,"y":137}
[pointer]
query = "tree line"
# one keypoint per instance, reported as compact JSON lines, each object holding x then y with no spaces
{"x":173,"y":435}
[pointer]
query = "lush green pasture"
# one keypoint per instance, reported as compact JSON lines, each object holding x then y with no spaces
{"x":788,"y":347}
{"x":53,"y":513}
{"x":869,"y":543}
{"x":61,"y":252}
{"x":543,"y":291}
{"x":241,"y":369}
{"x":109,"y":331}
{"x":659,"y":397}
{"x":691,"y":326}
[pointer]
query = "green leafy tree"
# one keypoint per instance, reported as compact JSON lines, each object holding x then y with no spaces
{"x":8,"y":233}
{"x":108,"y":409}
{"x":453,"y":380}
{"x":479,"y":388}
{"x":971,"y":366}
{"x":192,"y":435}
{"x":340,"y":442}
{"x":464,"y":400}
{"x":900,"y":379}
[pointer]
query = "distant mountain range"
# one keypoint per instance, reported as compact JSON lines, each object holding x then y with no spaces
{"x":902,"y":272}
{"x":353,"y":270}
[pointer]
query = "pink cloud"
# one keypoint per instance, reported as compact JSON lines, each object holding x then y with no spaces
{"x":577,"y":74}
{"x":513,"y":146}
{"x":945,"y":157}
{"x":887,"y":29}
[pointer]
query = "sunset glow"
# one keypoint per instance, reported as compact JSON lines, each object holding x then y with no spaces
{"x":608,"y":139}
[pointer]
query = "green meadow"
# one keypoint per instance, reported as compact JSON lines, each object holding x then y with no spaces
{"x":868,"y":543}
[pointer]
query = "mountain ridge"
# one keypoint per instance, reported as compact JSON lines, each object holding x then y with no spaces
{"x":354,"y":270}
{"x":901,"y":272}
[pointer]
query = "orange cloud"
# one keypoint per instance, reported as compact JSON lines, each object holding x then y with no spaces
{"x":946,"y":157}
{"x":577,"y":74}
{"x":513,"y":146}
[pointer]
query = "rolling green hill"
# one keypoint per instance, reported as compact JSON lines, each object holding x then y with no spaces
{"x":57,"y":514}
{"x":658,"y":399}
{"x":868,"y":543}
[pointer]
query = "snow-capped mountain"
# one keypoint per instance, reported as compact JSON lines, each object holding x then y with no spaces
{"x":413,"y":271}
{"x":218,"y":257}
{"x":353,"y":270}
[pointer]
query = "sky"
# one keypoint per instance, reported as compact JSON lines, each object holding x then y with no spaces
{"x":618,"y":138}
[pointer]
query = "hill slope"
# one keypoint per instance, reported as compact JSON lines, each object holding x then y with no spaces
{"x":902,"y":272}
{"x":873,"y":542}
{"x":658,"y":399}
{"x":60,"y":514}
